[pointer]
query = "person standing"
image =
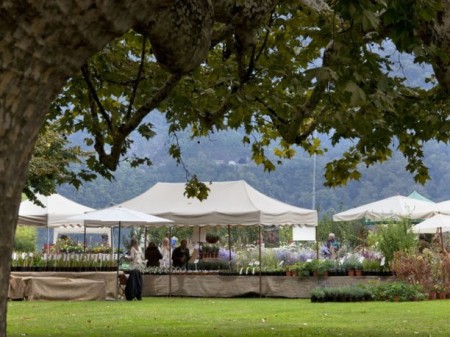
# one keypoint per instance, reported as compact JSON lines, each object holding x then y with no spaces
{"x":135,"y":257}
{"x":152,"y":255}
{"x":165,"y":252}
{"x":180,"y":255}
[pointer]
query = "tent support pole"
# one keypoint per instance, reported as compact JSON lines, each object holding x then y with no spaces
{"x":84,"y":239}
{"x":48,"y":240}
{"x":111,"y":242}
{"x":229,"y":243}
{"x":118,"y":265}
{"x":145,"y":238}
{"x":170,"y":261}
{"x":260,"y":276}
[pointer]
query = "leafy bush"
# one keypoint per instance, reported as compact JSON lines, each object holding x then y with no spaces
{"x":378,"y":292}
{"x":369,"y":265}
{"x":401,"y":290}
{"x":25,"y":239}
{"x":353,"y":262}
{"x":395,"y":237}
{"x":342,"y":294}
{"x":430,"y":269}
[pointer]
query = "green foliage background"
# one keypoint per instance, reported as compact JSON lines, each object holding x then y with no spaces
{"x":25,"y":239}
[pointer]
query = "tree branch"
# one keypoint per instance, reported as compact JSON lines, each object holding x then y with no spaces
{"x":151,"y":104}
{"x":93,"y":94}
{"x":138,"y":77}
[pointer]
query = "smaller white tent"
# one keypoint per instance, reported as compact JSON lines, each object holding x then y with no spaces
{"x":228,"y":203}
{"x":118,"y":216}
{"x":394,"y":208}
{"x":433,"y":225}
{"x":55,"y":212}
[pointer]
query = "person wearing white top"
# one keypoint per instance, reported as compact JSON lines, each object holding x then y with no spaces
{"x":165,"y":251}
{"x":136,"y":257}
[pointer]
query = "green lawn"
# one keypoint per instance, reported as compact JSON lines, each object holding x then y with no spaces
{"x":197,"y":317}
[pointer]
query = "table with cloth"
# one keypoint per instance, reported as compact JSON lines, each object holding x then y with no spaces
{"x":62,"y":285}
{"x":238,"y":286}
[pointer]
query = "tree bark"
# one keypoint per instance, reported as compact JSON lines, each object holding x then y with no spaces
{"x":42,"y":44}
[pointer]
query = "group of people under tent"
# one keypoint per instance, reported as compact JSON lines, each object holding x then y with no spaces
{"x":154,"y":257}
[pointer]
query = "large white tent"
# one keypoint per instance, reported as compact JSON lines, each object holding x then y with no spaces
{"x":394,"y":208}
{"x":228,"y":203}
{"x":442,"y":207}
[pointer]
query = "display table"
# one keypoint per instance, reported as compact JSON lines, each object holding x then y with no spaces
{"x":238,"y":286}
{"x":62,"y":285}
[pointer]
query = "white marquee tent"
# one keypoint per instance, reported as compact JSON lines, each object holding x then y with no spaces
{"x":438,"y":222}
{"x":55,"y":212}
{"x":228,"y":203}
{"x":394,"y":208}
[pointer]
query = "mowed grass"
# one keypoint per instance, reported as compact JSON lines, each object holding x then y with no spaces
{"x":227,"y":317}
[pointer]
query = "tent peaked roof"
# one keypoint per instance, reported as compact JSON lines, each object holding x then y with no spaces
{"x":228,"y":203}
{"x":54,"y":213}
{"x":395,"y":207}
{"x":416,"y":195}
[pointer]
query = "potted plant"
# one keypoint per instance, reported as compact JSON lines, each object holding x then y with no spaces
{"x":212,"y":238}
{"x":317,"y":295}
{"x":371,"y":267}
{"x":303,"y":269}
{"x":320,"y":268}
{"x":351,"y":264}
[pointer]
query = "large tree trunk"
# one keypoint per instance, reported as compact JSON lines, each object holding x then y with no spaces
{"x":43,"y":43}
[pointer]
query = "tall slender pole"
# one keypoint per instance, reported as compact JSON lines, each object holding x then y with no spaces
{"x":229,"y":243}
{"x":145,"y":238}
{"x":48,"y":240}
{"x":314,"y":194}
{"x":170,"y":261}
{"x":84,"y":239}
{"x":314,"y":180}
{"x":260,"y":276}
{"x":118,"y":263}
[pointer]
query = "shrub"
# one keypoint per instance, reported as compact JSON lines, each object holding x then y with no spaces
{"x":413,"y":268}
{"x":401,"y":290}
{"x":371,"y":265}
{"x":430,"y":269}
{"x":318,"y":295}
{"x":25,"y":239}
{"x":352,"y":262}
{"x":395,"y":237}
{"x":342,"y":294}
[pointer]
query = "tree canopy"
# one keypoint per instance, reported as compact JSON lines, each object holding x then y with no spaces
{"x":293,"y":70}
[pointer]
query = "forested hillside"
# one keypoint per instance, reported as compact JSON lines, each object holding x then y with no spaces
{"x":223,"y":157}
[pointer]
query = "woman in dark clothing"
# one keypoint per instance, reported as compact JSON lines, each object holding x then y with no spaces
{"x":152,"y":255}
{"x":180,"y":255}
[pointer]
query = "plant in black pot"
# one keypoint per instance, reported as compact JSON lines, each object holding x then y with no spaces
{"x":317,"y":295}
{"x":212,"y":238}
